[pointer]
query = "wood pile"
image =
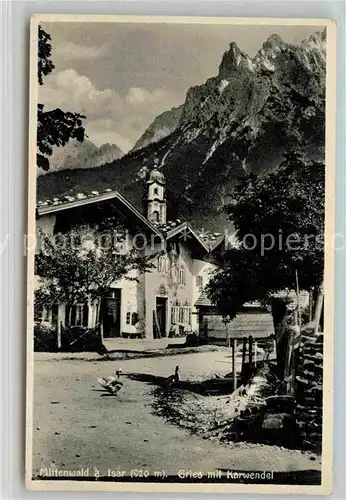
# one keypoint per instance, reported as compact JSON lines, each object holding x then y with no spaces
{"x":309,"y":389}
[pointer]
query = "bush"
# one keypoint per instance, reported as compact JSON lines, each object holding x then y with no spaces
{"x":81,"y":339}
{"x":192,"y":340}
{"x":45,"y":339}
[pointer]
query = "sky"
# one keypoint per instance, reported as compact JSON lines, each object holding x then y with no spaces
{"x":122,"y":75}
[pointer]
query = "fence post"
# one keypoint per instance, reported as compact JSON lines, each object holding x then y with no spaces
{"x":59,"y":334}
{"x":234,"y":367}
{"x":250,"y":349}
{"x":243,"y":354}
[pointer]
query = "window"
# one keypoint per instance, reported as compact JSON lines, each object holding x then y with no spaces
{"x":155,"y":216}
{"x":128,"y":318}
{"x":186,"y":315}
{"x":182,"y":276}
{"x":156,"y":191}
{"x":162,"y":264}
{"x":199,"y":281}
{"x":175,"y":314}
{"x":79,"y":315}
{"x":114,"y":293}
{"x":181,"y":315}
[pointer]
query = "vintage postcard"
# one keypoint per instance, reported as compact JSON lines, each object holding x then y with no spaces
{"x":180,"y":254}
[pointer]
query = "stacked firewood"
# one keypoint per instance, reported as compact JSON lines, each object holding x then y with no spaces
{"x":309,"y":389}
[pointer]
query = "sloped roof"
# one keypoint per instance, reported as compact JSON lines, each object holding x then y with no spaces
{"x":58,"y":205}
{"x":290,"y":296}
{"x":81,"y":199}
{"x":245,"y":324}
{"x":203,"y":300}
{"x":185,"y":231}
{"x":259,"y":324}
{"x":226,"y":240}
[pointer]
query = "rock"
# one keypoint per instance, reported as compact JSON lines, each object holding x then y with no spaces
{"x":275,"y":420}
{"x":302,"y":380}
{"x":314,"y":389}
{"x":308,"y":362}
{"x":317,"y":369}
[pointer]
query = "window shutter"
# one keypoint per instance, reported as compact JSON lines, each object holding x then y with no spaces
{"x":73,"y":316}
{"x":85,"y":314}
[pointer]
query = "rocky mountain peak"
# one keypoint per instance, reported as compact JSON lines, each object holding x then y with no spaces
{"x":273,"y":41}
{"x":231,"y":60}
{"x":317,"y":41}
{"x":271,"y":48}
{"x":163,"y":125}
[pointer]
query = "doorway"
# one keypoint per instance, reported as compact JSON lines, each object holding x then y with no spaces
{"x":160,"y":318}
{"x":112,"y":314}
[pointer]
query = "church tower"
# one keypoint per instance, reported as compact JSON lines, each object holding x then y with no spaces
{"x":156,"y":197}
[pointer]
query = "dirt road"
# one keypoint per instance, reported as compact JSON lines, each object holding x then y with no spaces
{"x":77,"y":426}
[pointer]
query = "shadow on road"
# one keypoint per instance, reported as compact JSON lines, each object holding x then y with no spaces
{"x":219,"y":386}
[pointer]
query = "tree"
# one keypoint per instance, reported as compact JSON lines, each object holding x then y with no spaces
{"x":79,"y":267}
{"x":279,"y":220}
{"x":54,"y":127}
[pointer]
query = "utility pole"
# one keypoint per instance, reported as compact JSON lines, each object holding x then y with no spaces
{"x":250,"y":349}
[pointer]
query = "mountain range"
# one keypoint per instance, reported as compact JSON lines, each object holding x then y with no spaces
{"x":84,"y":155}
{"x":240,"y":121}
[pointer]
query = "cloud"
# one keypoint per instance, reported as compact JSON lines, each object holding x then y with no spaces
{"x":137,"y":96}
{"x":110,"y":116}
{"x":71,"y":50}
{"x":75,"y":92}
